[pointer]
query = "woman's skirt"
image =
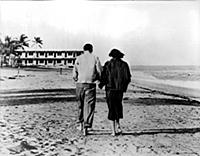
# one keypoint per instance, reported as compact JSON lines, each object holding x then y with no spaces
{"x":114,"y":101}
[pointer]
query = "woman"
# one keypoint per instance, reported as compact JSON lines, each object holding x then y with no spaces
{"x":115,"y":77}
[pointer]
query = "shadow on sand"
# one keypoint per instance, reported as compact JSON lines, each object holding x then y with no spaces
{"x":150,"y":131}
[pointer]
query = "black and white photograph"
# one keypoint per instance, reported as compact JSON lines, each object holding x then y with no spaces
{"x":99,"y":78}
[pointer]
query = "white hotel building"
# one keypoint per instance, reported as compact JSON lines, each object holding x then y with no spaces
{"x":49,"y":58}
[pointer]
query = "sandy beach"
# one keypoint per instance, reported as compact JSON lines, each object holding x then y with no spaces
{"x":38,"y":118}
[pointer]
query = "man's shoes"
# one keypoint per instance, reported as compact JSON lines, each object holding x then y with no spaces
{"x":80,"y":127}
{"x":85,"y":131}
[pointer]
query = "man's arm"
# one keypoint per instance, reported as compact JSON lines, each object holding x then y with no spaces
{"x":75,"y":71}
{"x":98,"y":66}
{"x":103,"y":78}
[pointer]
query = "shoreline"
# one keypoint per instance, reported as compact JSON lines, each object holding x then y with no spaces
{"x":43,"y":79}
{"x":182,"y":92}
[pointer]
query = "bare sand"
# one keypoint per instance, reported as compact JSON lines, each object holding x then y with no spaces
{"x":38,"y":113}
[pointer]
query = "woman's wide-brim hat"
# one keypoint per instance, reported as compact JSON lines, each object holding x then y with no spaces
{"x":115,"y":53}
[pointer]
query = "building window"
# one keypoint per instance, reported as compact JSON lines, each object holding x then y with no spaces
{"x":41,"y":54}
{"x":50,"y":54}
{"x":69,"y":53}
{"x":59,"y":54}
{"x":41,"y":61}
{"x":58,"y":61}
{"x":30,"y":53}
{"x":50,"y":61}
{"x":69,"y":61}
{"x":30,"y":61}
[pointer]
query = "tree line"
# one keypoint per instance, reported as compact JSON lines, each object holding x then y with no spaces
{"x":10,"y":45}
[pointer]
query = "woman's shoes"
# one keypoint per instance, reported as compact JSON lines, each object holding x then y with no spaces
{"x":90,"y":129}
{"x":113,"y":134}
{"x":119,"y":130}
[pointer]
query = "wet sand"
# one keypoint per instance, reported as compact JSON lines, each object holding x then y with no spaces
{"x":38,"y":117}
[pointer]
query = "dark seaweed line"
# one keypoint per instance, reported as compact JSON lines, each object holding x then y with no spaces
{"x":71,"y":90}
{"x":56,"y":94}
{"x":28,"y":101}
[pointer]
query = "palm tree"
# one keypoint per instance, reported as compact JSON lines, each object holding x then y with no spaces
{"x":1,"y":46}
{"x":5,"y":48}
{"x":21,"y":43}
{"x":8,"y":45}
{"x":11,"y":45}
{"x":37,"y":41}
{"x":1,"y":52}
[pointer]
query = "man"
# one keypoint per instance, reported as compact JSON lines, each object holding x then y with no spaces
{"x":87,"y":69}
{"x":115,"y":77}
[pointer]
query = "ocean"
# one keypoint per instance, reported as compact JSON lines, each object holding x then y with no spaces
{"x":184,"y":80}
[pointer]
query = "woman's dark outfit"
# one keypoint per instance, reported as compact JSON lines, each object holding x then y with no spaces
{"x":116,"y":77}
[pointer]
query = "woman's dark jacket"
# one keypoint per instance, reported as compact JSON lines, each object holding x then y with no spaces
{"x":115,"y":75}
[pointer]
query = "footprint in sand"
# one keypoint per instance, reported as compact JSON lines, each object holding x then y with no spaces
{"x":20,"y":148}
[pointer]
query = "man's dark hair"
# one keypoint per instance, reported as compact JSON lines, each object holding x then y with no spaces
{"x":88,"y":47}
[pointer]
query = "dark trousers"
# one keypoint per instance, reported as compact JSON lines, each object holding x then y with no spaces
{"x":86,"y":97}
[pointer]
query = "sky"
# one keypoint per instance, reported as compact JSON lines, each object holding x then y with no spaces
{"x":147,"y":32}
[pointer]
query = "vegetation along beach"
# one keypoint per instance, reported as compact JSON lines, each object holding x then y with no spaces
{"x":161,"y":114}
